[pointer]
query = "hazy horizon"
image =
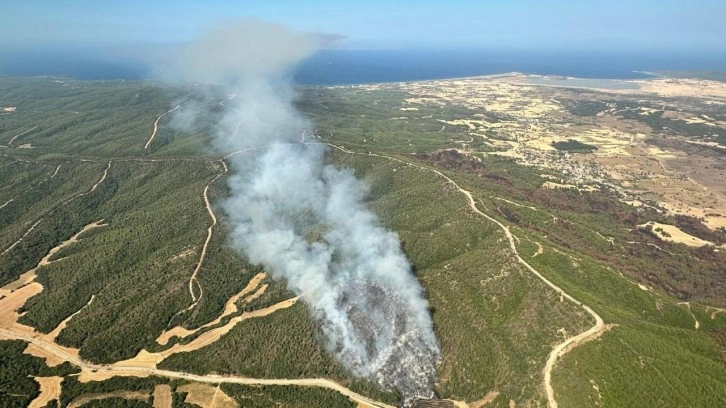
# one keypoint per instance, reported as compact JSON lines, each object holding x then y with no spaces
{"x":92,"y":40}
{"x":533,"y":24}
{"x":336,"y":66}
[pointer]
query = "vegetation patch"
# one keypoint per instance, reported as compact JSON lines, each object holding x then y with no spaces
{"x":574,"y":146}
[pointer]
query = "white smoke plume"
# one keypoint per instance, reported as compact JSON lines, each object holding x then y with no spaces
{"x":305,"y":221}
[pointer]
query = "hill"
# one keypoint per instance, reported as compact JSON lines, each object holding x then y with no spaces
{"x":545,"y":283}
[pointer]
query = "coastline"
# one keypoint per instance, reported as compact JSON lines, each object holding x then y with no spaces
{"x":507,"y":74}
{"x":557,"y":81}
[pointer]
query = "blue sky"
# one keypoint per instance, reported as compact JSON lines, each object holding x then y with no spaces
{"x":662,"y":25}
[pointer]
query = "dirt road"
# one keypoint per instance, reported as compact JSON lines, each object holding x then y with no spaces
{"x":209,"y":379}
{"x":6,"y":203}
{"x":10,"y":143}
{"x":44,"y":345}
{"x":103,"y":177}
{"x":193,"y":279}
{"x":571,"y":342}
{"x":144,"y":370}
{"x":94,"y":187}
{"x":32,"y":227}
{"x":229,"y":308}
{"x":53,"y":335}
{"x":156,"y":126}
{"x":697,"y":324}
{"x":561,"y":348}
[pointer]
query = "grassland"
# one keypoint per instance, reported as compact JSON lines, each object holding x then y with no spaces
{"x":496,"y":321}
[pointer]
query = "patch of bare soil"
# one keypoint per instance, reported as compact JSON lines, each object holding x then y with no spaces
{"x":50,"y":389}
{"x":51,"y":359}
{"x":229,"y":308}
{"x":672,"y":233}
{"x":205,"y":395}
{"x":62,"y":325}
{"x":488,"y":399}
{"x":162,"y":396}
{"x":16,"y":294}
{"x":539,"y":251}
{"x":147,"y":359}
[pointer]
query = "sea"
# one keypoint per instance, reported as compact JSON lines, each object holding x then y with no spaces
{"x":343,"y":66}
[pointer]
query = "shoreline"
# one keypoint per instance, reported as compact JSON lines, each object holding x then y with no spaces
{"x":487,"y":76}
{"x":632,"y":84}
{"x":348,"y":84}
{"x":618,"y":85}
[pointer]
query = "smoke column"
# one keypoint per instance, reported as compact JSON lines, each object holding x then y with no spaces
{"x":305,"y":221}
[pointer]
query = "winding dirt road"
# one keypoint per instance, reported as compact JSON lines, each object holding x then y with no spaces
{"x":128,"y":368}
{"x":94,"y":187}
{"x":193,"y":279}
{"x":156,"y":126}
{"x":560,"y":349}
{"x":236,"y":128}
{"x":569,"y":343}
{"x":32,"y":227}
{"x":6,"y":203}
{"x":16,"y":294}
{"x":697,"y":324}
{"x":209,"y":379}
{"x":53,"y":335}
{"x":230,"y":308}
{"x":56,"y":171}
{"x":103,"y":177}
{"x":10,"y":143}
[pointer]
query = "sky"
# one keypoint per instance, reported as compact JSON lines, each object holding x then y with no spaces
{"x":589,"y":25}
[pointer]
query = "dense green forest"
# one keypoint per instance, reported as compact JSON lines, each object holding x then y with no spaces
{"x":84,"y":161}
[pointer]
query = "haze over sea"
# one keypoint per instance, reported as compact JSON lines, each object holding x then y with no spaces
{"x":342,"y":66}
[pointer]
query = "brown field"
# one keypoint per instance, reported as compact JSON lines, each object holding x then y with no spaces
{"x":205,"y":395}
{"x":162,"y":396}
{"x":674,"y":234}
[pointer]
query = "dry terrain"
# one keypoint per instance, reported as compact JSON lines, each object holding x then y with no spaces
{"x":519,"y":119}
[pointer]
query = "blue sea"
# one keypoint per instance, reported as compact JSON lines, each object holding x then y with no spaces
{"x":347,"y":67}
{"x":333,"y":67}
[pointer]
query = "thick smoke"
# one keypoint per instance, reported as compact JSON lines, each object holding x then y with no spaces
{"x":305,"y":221}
